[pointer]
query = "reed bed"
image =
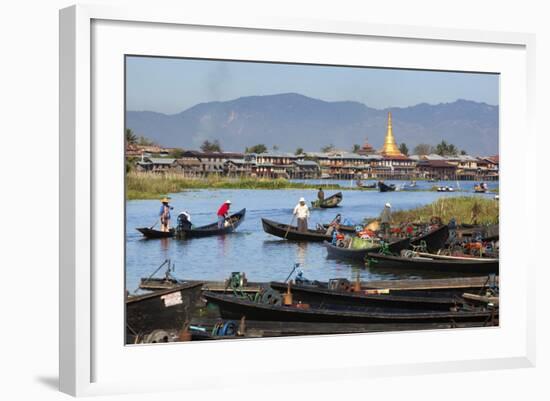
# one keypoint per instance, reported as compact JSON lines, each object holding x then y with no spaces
{"x":152,"y":186}
{"x":464,"y":209}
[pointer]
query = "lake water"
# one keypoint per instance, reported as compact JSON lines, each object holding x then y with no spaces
{"x":261,"y":256}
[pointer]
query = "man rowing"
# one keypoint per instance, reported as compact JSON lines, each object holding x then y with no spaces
{"x":223,"y":213}
{"x":165,"y":214}
{"x":301,"y":211}
{"x":321,"y":195}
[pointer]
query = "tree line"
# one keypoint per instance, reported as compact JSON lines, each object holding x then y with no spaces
{"x":443,"y":148}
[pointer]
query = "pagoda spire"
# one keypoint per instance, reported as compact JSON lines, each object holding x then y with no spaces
{"x":390,"y":146}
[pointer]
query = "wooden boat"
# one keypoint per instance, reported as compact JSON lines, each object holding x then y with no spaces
{"x":434,"y":240}
{"x":359,"y":255}
{"x":385,"y":188}
{"x":212,"y":229}
{"x":150,"y":233}
{"x":166,"y":309}
{"x":291,"y":233}
{"x":330,"y":202}
{"x":428,"y":261}
{"x":232,"y":307}
{"x":322,"y":294}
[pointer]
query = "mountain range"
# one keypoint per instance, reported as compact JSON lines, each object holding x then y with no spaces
{"x":290,"y":121}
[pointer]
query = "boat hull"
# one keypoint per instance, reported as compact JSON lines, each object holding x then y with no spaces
{"x":322,"y":295}
{"x":359,"y":255}
{"x":166,"y":309}
{"x":291,"y":233}
{"x":439,"y":265}
{"x":149,"y":233}
{"x":212,"y":229}
{"x":231,"y":307}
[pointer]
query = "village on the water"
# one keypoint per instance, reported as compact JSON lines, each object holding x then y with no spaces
{"x":263,"y":243}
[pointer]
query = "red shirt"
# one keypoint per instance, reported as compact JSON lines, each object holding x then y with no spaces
{"x":222,"y":211}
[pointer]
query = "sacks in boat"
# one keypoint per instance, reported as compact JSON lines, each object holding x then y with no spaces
{"x":373,"y":226}
{"x":359,"y":243}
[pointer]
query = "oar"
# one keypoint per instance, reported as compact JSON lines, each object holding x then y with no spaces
{"x":156,"y":221}
{"x":288,"y":229}
{"x":296,"y":265}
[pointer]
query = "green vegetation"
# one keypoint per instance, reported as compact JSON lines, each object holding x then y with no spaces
{"x":403,"y":148}
{"x":259,"y":148}
{"x":299,"y":151}
{"x":131,"y":138}
{"x":356,"y":148}
{"x":328,"y":148}
{"x":464,"y":209}
{"x":152,"y":186}
{"x":208,"y":146}
{"x":422,"y":149}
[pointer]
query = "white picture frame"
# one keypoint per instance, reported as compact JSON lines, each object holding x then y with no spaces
{"x":88,"y":360}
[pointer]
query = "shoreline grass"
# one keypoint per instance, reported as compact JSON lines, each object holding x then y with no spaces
{"x":464,"y":209}
{"x":152,"y":186}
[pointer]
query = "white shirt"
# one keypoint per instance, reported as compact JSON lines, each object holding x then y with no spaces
{"x":301,"y":212}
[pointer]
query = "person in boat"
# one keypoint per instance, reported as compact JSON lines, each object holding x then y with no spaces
{"x":223,"y":213}
{"x":184,"y":221}
{"x":320,"y":195}
{"x":165,"y":214}
{"x":301,"y":211}
{"x":334,"y":225}
{"x":385,"y":219}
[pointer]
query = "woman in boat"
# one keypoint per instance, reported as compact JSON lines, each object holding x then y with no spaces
{"x":184,"y":221}
{"x":301,"y":211}
{"x":385,"y":219}
{"x":223,"y":212}
{"x":165,"y":215}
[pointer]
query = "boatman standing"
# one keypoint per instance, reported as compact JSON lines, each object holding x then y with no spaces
{"x":385,"y":219}
{"x":165,"y":215}
{"x":321,"y":195}
{"x":301,"y":211}
{"x":223,"y":213}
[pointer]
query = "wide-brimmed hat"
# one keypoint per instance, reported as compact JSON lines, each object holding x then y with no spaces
{"x":302,"y":199}
{"x":228,"y":202}
{"x":165,"y":200}
{"x":388,"y":205}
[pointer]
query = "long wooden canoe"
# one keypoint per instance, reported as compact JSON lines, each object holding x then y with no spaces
{"x":437,"y":263}
{"x":232,"y":307}
{"x":330,"y":202}
{"x":320,"y":294}
{"x":233,"y":222}
{"x":291,"y":233}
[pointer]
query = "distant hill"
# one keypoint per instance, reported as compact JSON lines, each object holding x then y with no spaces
{"x":292,"y":120}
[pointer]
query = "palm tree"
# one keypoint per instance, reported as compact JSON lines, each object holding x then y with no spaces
{"x":131,"y":138}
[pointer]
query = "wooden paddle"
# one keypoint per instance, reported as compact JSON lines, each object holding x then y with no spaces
{"x":288,"y":229}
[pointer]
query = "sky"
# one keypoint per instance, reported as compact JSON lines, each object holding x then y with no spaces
{"x":170,"y":85}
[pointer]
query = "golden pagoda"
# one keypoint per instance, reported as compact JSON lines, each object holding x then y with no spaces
{"x":390,"y":148}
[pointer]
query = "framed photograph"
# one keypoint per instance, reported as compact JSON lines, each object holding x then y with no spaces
{"x":267,"y":187}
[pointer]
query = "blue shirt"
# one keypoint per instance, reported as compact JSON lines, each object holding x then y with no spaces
{"x":162,"y":211}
